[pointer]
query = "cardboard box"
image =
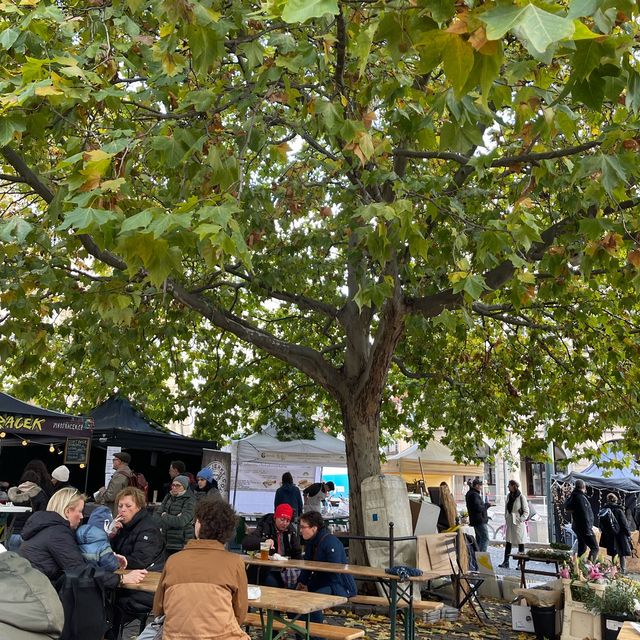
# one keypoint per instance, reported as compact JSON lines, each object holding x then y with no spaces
{"x":521,"y":619}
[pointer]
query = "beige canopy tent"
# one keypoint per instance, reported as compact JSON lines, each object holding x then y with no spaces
{"x":435,"y":463}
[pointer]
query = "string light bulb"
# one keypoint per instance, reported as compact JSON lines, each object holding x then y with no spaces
{"x":82,"y":465}
{"x":51,"y":448}
{"x":3,"y":434}
{"x":25,"y":443}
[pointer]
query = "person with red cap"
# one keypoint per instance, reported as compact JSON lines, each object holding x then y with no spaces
{"x":275,"y":528}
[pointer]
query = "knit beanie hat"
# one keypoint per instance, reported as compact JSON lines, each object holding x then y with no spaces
{"x":61,"y":474}
{"x":283,"y":510}
{"x":183,"y":480}
{"x":205,"y":474}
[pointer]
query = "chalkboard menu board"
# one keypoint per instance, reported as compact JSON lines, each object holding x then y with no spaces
{"x":77,"y":451}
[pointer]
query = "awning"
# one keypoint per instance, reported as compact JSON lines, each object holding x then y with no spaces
{"x":434,"y":459}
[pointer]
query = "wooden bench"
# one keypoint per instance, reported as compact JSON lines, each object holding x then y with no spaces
{"x":381,"y":601}
{"x":329,"y":631}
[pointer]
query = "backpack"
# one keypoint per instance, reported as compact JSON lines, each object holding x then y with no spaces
{"x":81,"y":591}
{"x":607,"y":521}
{"x":138,"y":481}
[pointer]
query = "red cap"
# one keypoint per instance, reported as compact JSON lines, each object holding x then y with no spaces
{"x":283,"y":511}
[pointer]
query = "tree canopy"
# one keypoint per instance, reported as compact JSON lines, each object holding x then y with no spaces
{"x":388,"y":213}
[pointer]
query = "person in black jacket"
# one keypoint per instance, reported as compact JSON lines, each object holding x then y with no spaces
{"x":582,"y":519}
{"x":289,"y":494}
{"x":617,"y":543}
{"x":478,"y":517}
{"x":139,"y":539}
{"x":28,"y":493}
{"x":277,"y":529}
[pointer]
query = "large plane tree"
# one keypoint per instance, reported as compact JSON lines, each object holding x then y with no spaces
{"x":378,"y":213}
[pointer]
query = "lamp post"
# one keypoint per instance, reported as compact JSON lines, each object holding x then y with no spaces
{"x":548,"y":468}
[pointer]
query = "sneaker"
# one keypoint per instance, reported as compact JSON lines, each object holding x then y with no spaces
{"x":504,"y":565}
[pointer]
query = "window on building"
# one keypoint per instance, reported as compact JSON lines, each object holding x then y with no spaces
{"x":490,"y":472}
{"x":535,"y":473}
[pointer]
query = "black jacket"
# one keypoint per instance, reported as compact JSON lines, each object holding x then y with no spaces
{"x":581,"y":512}
{"x":617,"y":544}
{"x":476,"y":507}
{"x":50,"y":546}
{"x":140,"y":542}
{"x":289,"y":494}
{"x":266,"y":530}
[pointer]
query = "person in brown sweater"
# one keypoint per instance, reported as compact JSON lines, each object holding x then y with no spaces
{"x":200,"y":603}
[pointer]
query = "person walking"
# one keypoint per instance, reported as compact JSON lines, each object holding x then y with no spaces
{"x":119,"y":480}
{"x":615,"y":533}
{"x":582,"y":519}
{"x":478,"y":517}
{"x":316,"y":494}
{"x":176,"y":515}
{"x":289,"y":494}
{"x":516,"y":512}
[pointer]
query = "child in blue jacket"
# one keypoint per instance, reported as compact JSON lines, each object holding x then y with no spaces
{"x":94,"y":541}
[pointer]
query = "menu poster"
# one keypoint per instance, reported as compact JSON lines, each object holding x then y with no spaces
{"x":77,"y":451}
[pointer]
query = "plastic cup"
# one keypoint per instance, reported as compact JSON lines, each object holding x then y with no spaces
{"x":264,"y":551}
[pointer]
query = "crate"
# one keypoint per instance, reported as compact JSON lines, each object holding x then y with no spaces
{"x":579,"y":623}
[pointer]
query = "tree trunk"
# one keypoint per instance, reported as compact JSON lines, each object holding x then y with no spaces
{"x":361,"y":434}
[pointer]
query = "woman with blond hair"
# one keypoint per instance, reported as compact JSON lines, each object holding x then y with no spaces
{"x":50,"y":543}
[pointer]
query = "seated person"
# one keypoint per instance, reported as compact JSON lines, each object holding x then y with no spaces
{"x":199,"y":602}
{"x":323,"y":546}
{"x":275,"y":528}
{"x":94,"y":541}
{"x":29,"y":605}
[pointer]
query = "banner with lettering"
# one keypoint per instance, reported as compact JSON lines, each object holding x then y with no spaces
{"x":33,"y":425}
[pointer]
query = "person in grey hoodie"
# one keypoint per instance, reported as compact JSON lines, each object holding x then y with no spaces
{"x":29,"y":605}
{"x":27,"y":494}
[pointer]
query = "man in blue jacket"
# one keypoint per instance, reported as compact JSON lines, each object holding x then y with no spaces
{"x":323,"y":546}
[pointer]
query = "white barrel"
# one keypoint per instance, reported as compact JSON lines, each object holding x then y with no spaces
{"x":384,"y":500}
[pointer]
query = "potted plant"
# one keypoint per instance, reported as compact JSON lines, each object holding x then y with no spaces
{"x":618,"y":602}
{"x":584,"y":576}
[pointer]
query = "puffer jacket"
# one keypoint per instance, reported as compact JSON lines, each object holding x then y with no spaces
{"x":325,"y":547}
{"x":176,"y":517}
{"x":201,"y":604}
{"x":29,"y":606}
{"x":94,"y":542}
{"x":27,"y":494}
{"x":208,"y":492}
{"x":140,"y":542}
{"x":50,"y":546}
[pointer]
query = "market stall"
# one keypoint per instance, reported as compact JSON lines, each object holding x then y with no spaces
{"x":258,"y":462}
{"x":65,"y":438}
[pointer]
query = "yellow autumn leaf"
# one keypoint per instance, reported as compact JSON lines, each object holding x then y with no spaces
{"x":49,"y":90}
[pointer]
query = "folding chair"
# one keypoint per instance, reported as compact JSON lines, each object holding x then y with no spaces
{"x":465,"y":583}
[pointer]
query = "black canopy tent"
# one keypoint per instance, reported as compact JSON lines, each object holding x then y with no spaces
{"x":601,"y":478}
{"x":56,"y":434}
{"x":152,"y":446}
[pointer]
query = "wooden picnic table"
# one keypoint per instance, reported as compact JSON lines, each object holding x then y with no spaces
{"x":390,"y":583}
{"x":272,"y":600}
{"x":523,"y":558}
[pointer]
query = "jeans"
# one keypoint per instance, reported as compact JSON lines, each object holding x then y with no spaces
{"x":482,"y":536}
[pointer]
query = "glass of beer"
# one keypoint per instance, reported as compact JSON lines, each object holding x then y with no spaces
{"x":264,"y":550}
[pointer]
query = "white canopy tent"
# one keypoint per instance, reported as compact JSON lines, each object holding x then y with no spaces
{"x":435,"y":459}
{"x":259,"y":460}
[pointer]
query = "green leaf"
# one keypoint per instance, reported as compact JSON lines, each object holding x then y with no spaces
{"x":302,"y":10}
{"x":458,"y":62}
{"x":539,"y":27}
{"x":83,"y":219}
{"x":582,"y":8}
{"x":140,"y":220}
{"x":8,"y":38}
{"x":171,"y":149}
{"x":15,"y":229}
